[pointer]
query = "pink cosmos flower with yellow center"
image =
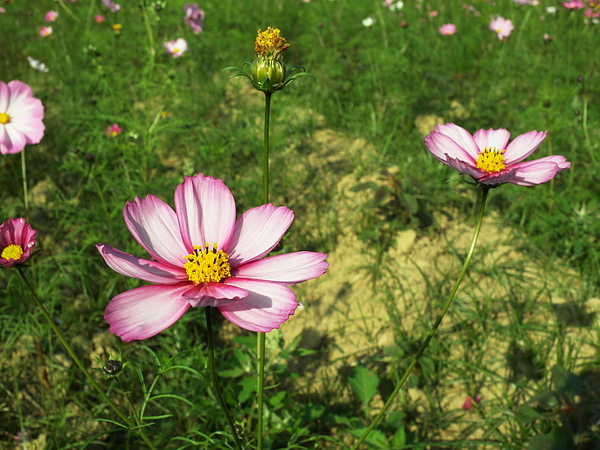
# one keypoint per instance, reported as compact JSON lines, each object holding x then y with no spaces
{"x":45,"y":31}
{"x":448,"y":29}
{"x":503,"y":27}
{"x":50,"y":16}
{"x":113,"y":131}
{"x":17,"y":240}
{"x":176,"y":48}
{"x":203,"y":256}
{"x":486,"y":157}
{"x":21,"y":116}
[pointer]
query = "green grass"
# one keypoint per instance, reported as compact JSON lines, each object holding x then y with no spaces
{"x":507,"y":328}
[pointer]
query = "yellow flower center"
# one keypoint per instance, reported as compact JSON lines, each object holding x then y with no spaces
{"x":4,"y":118}
{"x":207,"y":265}
{"x":13,"y":251}
{"x":270,"y":43}
{"x":491,"y":160}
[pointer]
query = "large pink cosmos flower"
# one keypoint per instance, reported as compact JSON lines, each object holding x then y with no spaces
{"x":20,"y":117}
{"x":17,"y":240}
{"x":486,"y":157}
{"x":203,"y":256}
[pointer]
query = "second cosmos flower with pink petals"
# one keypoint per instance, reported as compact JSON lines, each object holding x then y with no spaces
{"x":487,"y":158}
{"x":204,"y":256}
{"x":17,"y":240}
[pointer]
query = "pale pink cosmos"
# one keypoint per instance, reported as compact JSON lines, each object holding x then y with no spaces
{"x":574,"y":4}
{"x":45,"y":31}
{"x":203,"y":256}
{"x":176,"y":48}
{"x":50,"y":16}
{"x":486,"y":157}
{"x":17,"y":240}
{"x":448,"y":29}
{"x":503,"y":27}
{"x":113,"y":131}
{"x":194,"y":17}
{"x":21,"y":116}
{"x":98,"y":18}
{"x":112,"y":6}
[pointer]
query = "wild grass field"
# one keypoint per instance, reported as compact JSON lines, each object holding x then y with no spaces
{"x":515,"y":363}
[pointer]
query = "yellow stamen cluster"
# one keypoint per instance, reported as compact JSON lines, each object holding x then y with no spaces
{"x":4,"y":118}
{"x":207,"y":265}
{"x":13,"y":251}
{"x":270,"y":43}
{"x":491,"y":160}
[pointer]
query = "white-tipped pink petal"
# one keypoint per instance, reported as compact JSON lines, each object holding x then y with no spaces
{"x":206,"y":211}
{"x":461,"y":136}
{"x":214,"y":294}
{"x":257,"y":232}
{"x":444,"y":147}
{"x":290,"y":268}
{"x":14,"y":141}
{"x":522,"y":146}
{"x":143,"y":312}
{"x":267,"y":306}
{"x":492,"y":138}
{"x":4,"y":96}
{"x":154,"y":225}
{"x":494,"y":179}
{"x":464,"y":167}
{"x":536,"y":172}
{"x":134,"y":267}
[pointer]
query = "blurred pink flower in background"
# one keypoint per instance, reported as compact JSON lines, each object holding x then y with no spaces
{"x":98,"y":18}
{"x":448,"y":29}
{"x":203,"y":256}
{"x":2,"y":9}
{"x":468,"y":403}
{"x":21,"y":116}
{"x":503,"y":27}
{"x":547,"y":37}
{"x":194,"y":17}
{"x":433,"y":14}
{"x":111,"y":5}
{"x":592,"y":13}
{"x":113,"y":131}
{"x":17,"y":240}
{"x":45,"y":31}
{"x":574,"y":4}
{"x":486,"y":157}
{"x":177,"y":47}
{"x":50,"y":16}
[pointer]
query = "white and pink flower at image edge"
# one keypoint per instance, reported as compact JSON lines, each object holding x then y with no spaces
{"x":203,"y":257}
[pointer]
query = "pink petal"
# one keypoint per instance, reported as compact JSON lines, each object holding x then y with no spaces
{"x":444,"y":147}
{"x":493,"y":179}
{"x":257,"y":232}
{"x":143,"y":312}
{"x":267,"y":306}
{"x":539,"y":171}
{"x":214,"y":294}
{"x":4,"y":96}
{"x":461,"y":136}
{"x":465,"y":167}
{"x":134,"y":267}
{"x":154,"y":225}
{"x":290,"y":268}
{"x":492,"y":138}
{"x":14,"y":141}
{"x":206,"y":211}
{"x":523,"y":146}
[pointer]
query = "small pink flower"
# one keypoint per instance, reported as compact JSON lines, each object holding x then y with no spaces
{"x":448,"y":29}
{"x":98,"y":18}
{"x":468,"y":403}
{"x":111,"y":5}
{"x":45,"y":31}
{"x":574,"y":4}
{"x":433,"y":14}
{"x":21,"y":116}
{"x":17,"y":240}
{"x":113,"y":131}
{"x":503,"y":27}
{"x":50,"y":16}
{"x":547,"y":37}
{"x":486,"y":157}
{"x":176,"y":48}
{"x":591,"y":13}
{"x":194,"y":17}
{"x":2,"y":9}
{"x":203,"y":256}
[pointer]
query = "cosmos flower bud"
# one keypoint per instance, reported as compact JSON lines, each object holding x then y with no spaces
{"x":268,"y":69}
{"x":112,"y":367}
{"x":271,"y":69}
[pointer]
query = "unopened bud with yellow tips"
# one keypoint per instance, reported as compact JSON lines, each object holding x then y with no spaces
{"x":266,"y":69}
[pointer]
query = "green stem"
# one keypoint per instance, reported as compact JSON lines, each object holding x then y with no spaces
{"x":24,"y":173}
{"x":79,"y":364}
{"x":213,"y":375}
{"x":261,"y":337}
{"x":484,"y":192}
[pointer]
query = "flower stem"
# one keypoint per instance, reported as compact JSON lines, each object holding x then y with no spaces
{"x":79,"y":364}
{"x":24,"y":173}
{"x":262,"y":336}
{"x":483,"y":197}
{"x":213,"y":376}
